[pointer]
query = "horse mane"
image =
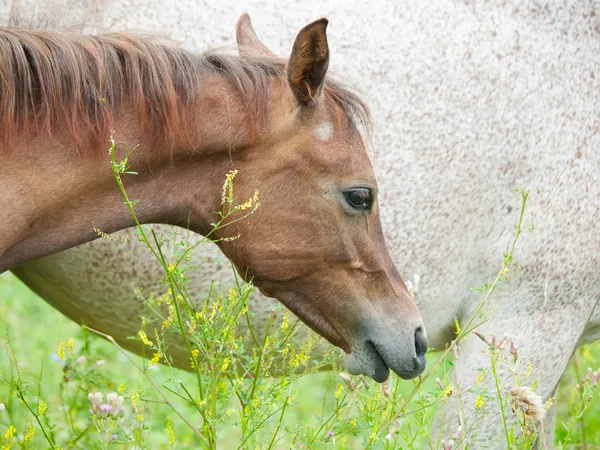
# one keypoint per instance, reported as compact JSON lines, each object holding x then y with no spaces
{"x":63,"y":82}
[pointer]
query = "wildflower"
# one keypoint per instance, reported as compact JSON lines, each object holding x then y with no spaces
{"x":286,"y":321}
{"x":530,"y":403}
{"x":595,"y":378}
{"x":501,"y":342}
{"x":549,"y":403}
{"x":447,"y":392}
{"x":457,"y":325}
{"x":113,"y":408}
{"x":482,"y":337}
{"x":42,"y":408}
{"x":28,"y":436}
{"x":479,"y":379}
{"x":10,"y":434}
{"x":66,"y":345}
{"x":2,"y":407}
{"x":170,"y":432}
{"x":144,"y":338}
{"x":330,"y":433}
{"x":479,"y":401}
{"x":194,"y":358}
{"x":225,"y":364}
{"x":155,"y":358}
{"x":114,"y":437}
{"x":339,"y":391}
{"x":588,"y":375}
{"x":514,"y":351}
{"x":227,"y":195}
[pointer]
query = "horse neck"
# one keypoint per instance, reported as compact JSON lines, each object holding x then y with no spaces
{"x":56,"y":199}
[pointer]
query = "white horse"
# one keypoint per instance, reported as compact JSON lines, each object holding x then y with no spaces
{"x":470,"y":100}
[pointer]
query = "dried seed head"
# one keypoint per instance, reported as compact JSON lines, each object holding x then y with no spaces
{"x":529,"y":402}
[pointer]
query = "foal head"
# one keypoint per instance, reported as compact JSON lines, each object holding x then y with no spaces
{"x":316,"y":243}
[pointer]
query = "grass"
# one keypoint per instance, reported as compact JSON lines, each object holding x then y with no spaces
{"x":36,"y":330}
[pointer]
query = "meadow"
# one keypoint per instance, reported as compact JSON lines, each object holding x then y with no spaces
{"x":63,"y":386}
{"x":36,"y":332}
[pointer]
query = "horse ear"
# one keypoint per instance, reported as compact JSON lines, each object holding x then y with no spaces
{"x":248,"y":42}
{"x":308,"y":64}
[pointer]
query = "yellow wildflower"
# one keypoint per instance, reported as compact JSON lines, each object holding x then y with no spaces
{"x":339,"y":391}
{"x":8,"y":437}
{"x":448,"y":391}
{"x":194,"y":358}
{"x":225,"y":364}
{"x":144,"y":338}
{"x":28,"y":436}
{"x":68,"y":344}
{"x":170,"y":432}
{"x":155,"y":359}
{"x":121,"y":388}
{"x":457,"y":325}
{"x":549,"y":403}
{"x":479,"y":401}
{"x":227,"y":195}
{"x":286,"y":321}
{"x":42,"y":408}
{"x":135,"y":398}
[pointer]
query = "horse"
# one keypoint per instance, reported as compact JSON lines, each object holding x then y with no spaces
{"x":475,"y":99}
{"x":289,"y":132}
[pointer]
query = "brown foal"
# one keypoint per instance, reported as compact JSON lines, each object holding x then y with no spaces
{"x":316,"y":243}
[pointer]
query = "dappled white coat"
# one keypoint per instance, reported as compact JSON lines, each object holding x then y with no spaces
{"x":470,"y":100}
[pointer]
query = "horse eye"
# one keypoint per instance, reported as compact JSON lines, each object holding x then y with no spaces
{"x":360,"y":198}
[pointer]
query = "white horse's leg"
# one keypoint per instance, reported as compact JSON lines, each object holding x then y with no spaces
{"x":546,"y":323}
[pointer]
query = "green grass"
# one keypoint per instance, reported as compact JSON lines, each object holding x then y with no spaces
{"x":36,"y":329}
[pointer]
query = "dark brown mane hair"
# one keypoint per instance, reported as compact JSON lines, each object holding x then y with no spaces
{"x":63,"y":82}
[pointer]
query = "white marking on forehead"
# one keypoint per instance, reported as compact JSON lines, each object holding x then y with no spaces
{"x":324,"y":131}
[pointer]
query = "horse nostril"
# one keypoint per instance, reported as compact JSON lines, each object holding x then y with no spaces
{"x":421,"y":343}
